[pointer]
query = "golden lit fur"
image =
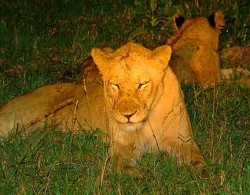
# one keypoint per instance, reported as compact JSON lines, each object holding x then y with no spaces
{"x":69,"y":106}
{"x":139,"y":105}
{"x":195,"y":57}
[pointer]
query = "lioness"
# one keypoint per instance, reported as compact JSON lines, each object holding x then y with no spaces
{"x":139,"y":105}
{"x":195,"y":45}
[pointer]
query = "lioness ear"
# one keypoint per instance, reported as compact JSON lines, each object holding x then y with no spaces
{"x":162,"y":55}
{"x":219,"y":20}
{"x":178,"y":21}
{"x":101,"y":58}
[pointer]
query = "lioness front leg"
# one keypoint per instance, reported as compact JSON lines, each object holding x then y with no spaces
{"x":186,"y":151}
{"x":190,"y":153}
{"x":123,"y":157}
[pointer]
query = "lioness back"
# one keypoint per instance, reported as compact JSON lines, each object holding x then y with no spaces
{"x":69,"y":106}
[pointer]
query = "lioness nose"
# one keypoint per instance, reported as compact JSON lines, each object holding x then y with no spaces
{"x":127,"y":109}
{"x":128,"y":115}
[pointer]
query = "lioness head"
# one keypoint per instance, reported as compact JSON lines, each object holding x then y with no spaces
{"x":132,"y":77}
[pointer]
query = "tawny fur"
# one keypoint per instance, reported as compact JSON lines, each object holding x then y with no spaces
{"x":139,"y":105}
{"x":195,"y":45}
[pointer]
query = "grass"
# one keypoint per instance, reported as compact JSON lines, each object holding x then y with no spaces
{"x":44,"y":42}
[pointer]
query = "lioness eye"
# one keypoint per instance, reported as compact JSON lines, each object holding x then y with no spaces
{"x":142,"y":85}
{"x":115,"y":86}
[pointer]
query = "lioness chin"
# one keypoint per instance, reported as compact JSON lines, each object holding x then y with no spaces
{"x":139,"y":105}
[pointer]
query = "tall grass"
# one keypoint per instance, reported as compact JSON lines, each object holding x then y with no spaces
{"x":45,"y":41}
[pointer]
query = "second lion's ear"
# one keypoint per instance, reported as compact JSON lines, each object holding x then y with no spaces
{"x":178,"y":21}
{"x":217,"y":20}
{"x":101,"y":58}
